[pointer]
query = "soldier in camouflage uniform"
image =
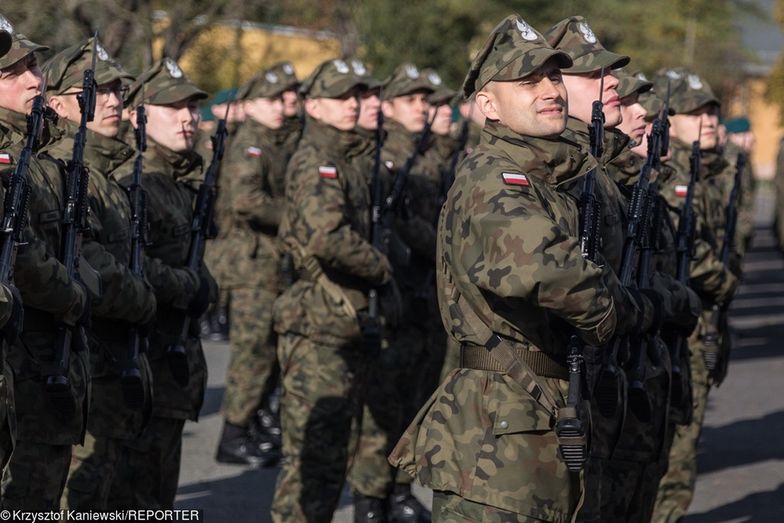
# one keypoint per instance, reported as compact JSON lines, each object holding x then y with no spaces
{"x":253,"y":184}
{"x":35,"y":476}
{"x":513,"y":285}
{"x":290,"y":132}
{"x":326,"y":226}
{"x":149,"y":467}
{"x":740,"y":140}
{"x":127,"y":299}
{"x":697,"y":118}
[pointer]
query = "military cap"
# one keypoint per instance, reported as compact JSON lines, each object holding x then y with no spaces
{"x":405,"y":79}
{"x":629,"y":84}
{"x":268,"y":84}
{"x":331,"y":79}
{"x":576,"y":38}
{"x":21,"y":47}
{"x":441,"y":93}
{"x":359,"y":68}
{"x":513,"y":50}
{"x":688,"y":92}
{"x":738,"y":125}
{"x":66,"y":69}
{"x":163,"y":84}
{"x":287,"y":75}
{"x":221,"y":97}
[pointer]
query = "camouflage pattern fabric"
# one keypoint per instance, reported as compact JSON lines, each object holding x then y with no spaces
{"x":688,"y":92}
{"x":35,"y":477}
{"x":745,"y":226}
{"x":92,"y":469}
{"x":481,"y":435}
{"x":575,"y":37}
{"x":149,"y":468}
{"x":327,"y":219}
{"x":450,"y":508}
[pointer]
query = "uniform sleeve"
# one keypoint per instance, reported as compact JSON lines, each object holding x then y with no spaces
{"x":172,"y":286}
{"x":325,"y":230}
{"x":251,"y":201}
{"x":516,"y":250}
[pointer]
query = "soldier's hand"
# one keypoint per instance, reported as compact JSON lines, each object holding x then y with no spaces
{"x":201,"y":301}
{"x":391,"y":304}
{"x":13,"y":326}
{"x":682,"y":306}
{"x":648,"y":310}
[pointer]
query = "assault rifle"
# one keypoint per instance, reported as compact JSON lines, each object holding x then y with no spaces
{"x":202,"y":228}
{"x":378,"y":238}
{"x":571,"y":426}
{"x":449,"y":176}
{"x":716,"y":360}
{"x":131,"y":377}
{"x":74,"y":223}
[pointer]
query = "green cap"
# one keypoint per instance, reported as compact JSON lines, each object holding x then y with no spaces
{"x":738,"y":125}
{"x":441,"y":93}
{"x":688,"y":92}
{"x":268,"y":84}
{"x":629,"y":84}
{"x":286,"y":74}
{"x":405,"y":79}
{"x":66,"y":69}
{"x":221,"y":97}
{"x":21,"y":47}
{"x":331,"y":79}
{"x":361,"y":70}
{"x":513,"y":50}
{"x":6,"y":40}
{"x":164,"y":84}
{"x":575,"y":37}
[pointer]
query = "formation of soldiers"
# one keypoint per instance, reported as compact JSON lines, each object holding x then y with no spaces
{"x":515,"y":295}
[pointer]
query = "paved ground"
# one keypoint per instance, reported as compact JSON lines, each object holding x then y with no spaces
{"x":741,"y":471}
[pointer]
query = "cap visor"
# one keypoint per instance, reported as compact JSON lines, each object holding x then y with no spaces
{"x":176,"y":94}
{"x":20,"y":51}
{"x":595,"y":61}
{"x":527,"y":62}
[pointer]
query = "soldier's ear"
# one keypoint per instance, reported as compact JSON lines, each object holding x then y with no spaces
{"x":57,"y":105}
{"x":486,"y":103}
{"x":312,"y":108}
{"x":132,"y":116}
{"x":388,"y":109}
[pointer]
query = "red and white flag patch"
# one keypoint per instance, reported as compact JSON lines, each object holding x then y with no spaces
{"x":516,"y":179}
{"x":253,"y":152}
{"x":6,"y":159}
{"x":328,"y":171}
{"x":681,"y":191}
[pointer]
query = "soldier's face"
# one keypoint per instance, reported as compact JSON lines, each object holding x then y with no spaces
{"x":108,"y":108}
{"x":267,"y":111}
{"x":633,"y":122}
{"x":341,"y":113}
{"x":584,"y":90}
{"x":409,"y":110}
{"x":173,"y":126}
{"x":532,"y":106}
{"x":19,"y":84}
{"x":369,"y":106}
{"x":686,"y":127}
{"x":441,"y":116}
{"x":290,"y":103}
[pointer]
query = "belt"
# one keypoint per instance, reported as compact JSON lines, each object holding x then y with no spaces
{"x":478,"y":358}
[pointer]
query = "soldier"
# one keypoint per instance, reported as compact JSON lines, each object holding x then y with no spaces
{"x":513,"y":285}
{"x":150,"y":464}
{"x":697,"y":119}
{"x":740,"y":140}
{"x":253,"y":184}
{"x":319,"y":319}
{"x":290,"y":132}
{"x":127,"y":300}
{"x":35,"y":476}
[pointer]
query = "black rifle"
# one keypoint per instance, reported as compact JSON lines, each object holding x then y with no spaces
{"x":371,"y":332}
{"x":131,"y":377}
{"x":571,"y":427}
{"x":74,"y":223}
{"x":202,"y":228}
{"x":716,"y":360}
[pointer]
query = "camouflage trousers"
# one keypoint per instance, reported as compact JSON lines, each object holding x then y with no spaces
{"x":91,"y":473}
{"x":149,"y":467}
{"x":252,"y":365}
{"x":676,"y":488}
{"x":7,"y":415}
{"x":321,"y":399}
{"x":35,"y":477}
{"x":451,"y":508}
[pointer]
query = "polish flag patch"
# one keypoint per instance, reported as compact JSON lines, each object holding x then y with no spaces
{"x":328,"y":171}
{"x":515,"y":179}
{"x":5,"y":159}
{"x":253,"y":152}
{"x":681,"y":191}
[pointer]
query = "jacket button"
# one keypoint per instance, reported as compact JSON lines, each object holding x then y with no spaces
{"x":504,"y":424}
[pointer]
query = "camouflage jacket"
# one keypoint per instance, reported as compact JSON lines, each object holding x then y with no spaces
{"x":714,"y":283}
{"x":169,"y":182}
{"x":612,"y":203}
{"x":327,"y":220}
{"x":745,"y":205}
{"x":289,"y":135}
{"x":508,"y":243}
{"x":253,"y":185}
{"x":49,"y":294}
